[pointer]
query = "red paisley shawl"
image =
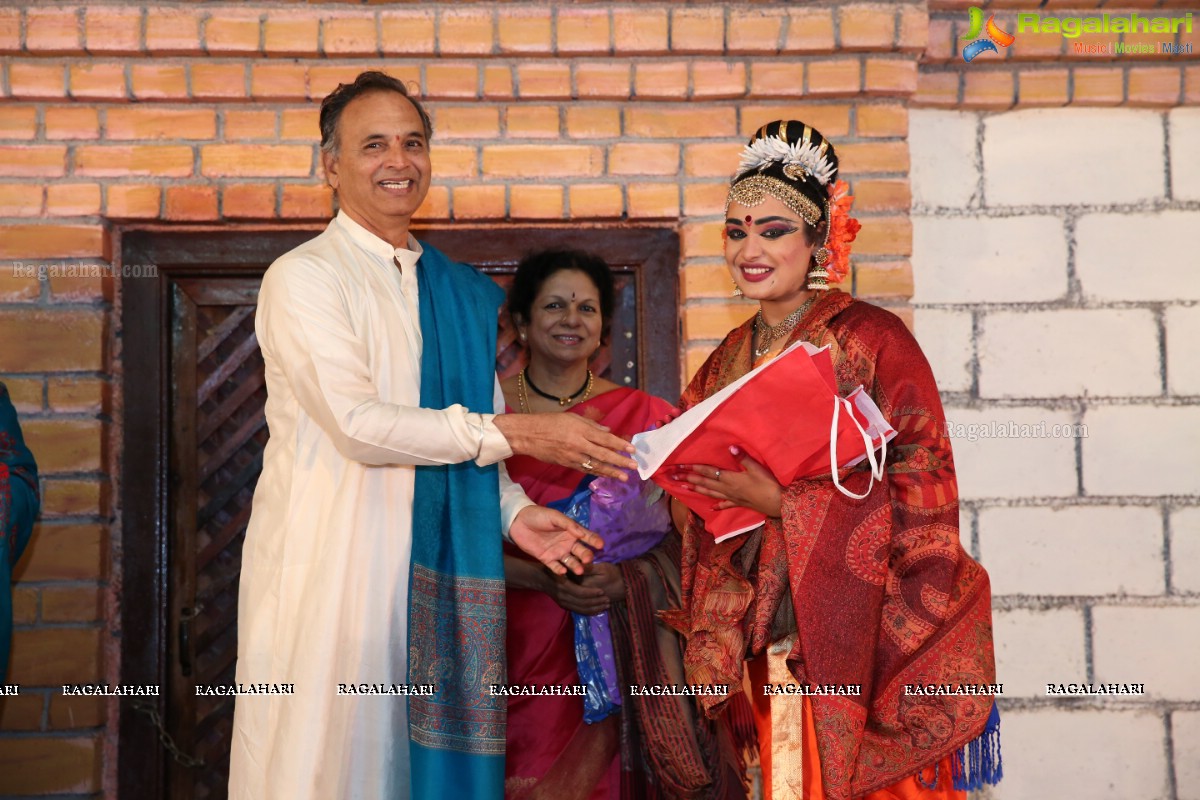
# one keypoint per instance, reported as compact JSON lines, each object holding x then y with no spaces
{"x":883,"y":592}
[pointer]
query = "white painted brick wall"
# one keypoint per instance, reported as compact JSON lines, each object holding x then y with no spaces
{"x":1008,"y":467}
{"x":1073,"y":156}
{"x":946,"y":339}
{"x":1069,"y":352}
{"x":1185,"y":550}
{"x":942,"y":156}
{"x":989,"y":260}
{"x":1034,"y":648}
{"x":1142,"y":450}
{"x":1185,"y":735}
{"x":1183,"y":348}
{"x":1185,"y":144}
{"x":1144,"y":256}
{"x":1082,"y":755}
{"x":1157,"y":646}
{"x":1080,"y":550}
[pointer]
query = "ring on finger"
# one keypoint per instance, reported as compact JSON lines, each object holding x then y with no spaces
{"x":588,"y":465}
{"x":717,"y":475}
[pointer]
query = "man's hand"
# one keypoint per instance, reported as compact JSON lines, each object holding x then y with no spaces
{"x":568,"y":440}
{"x":576,"y":597}
{"x":554,"y":539}
{"x":607,"y":578}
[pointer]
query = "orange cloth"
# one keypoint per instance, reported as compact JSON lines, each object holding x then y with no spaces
{"x":910,"y":788}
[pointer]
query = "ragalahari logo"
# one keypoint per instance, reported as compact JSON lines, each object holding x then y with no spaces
{"x":995,"y":36}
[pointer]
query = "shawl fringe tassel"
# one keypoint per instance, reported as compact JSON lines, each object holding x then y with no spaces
{"x":978,"y":762}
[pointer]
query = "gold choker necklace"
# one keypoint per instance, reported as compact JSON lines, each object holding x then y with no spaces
{"x":523,"y":381}
{"x":767,"y":334}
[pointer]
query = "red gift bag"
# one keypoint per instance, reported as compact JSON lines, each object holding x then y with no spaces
{"x":787,"y":415}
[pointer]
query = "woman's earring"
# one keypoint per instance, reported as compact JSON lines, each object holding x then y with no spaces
{"x":737,"y":290}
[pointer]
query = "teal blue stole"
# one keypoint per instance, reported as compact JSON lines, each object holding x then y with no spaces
{"x":456,"y":589}
{"x":18,"y":508}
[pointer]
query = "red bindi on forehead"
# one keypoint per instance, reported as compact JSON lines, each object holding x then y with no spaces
{"x":749,"y":220}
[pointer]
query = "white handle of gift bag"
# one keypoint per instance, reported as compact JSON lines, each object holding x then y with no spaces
{"x":877,"y":467}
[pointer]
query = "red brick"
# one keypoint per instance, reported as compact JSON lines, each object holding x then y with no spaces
{"x":132,"y":201}
{"x":269,"y":81}
{"x":498,"y":82}
{"x":18,"y":122}
{"x":323,"y":80}
{"x":603,"y":80}
{"x":913,"y":32}
{"x":810,"y":31}
{"x":661,"y":80}
{"x":231,"y":31}
{"x":22,"y":712}
{"x":65,"y":445}
{"x":859,"y":158}
{"x":714,"y":320}
{"x":79,"y":395}
{"x":840,"y":77}
{"x":883,"y":279}
{"x":191,"y":203}
{"x":51,"y":765}
{"x":35,"y":79}
{"x":73,"y":498}
{"x":172,"y":161}
{"x":1042,"y":87}
{"x":711,"y":159}
{"x":891,"y":76}
{"x":173,"y":31}
{"x":640,"y":30}
{"x":306,"y":202}
{"x":890,"y":236}
{"x":532,"y":122}
{"x":1191,"y":86}
{"x":72,"y":199}
{"x":25,"y":604}
{"x":698,"y":30}
{"x":882,"y":194}
{"x":63,"y":552}
{"x":777,"y":78}
{"x":76,"y":712}
{"x":248,"y":201}
{"x":409,"y":75}
{"x":26,"y":394}
{"x":84,"y":330}
{"x":465,"y":30}
{"x":290,"y":33}
{"x":239,"y":126}
{"x":111,"y":29}
{"x":452,"y":79}
{"x":54,"y":241}
{"x":20,"y":200}
{"x":88,"y":283}
{"x":710,"y":123}
{"x":436,"y":205}
{"x":937,"y":89}
{"x":71,"y":604}
{"x":299,"y":123}
{"x":97,"y":81}
{"x":584,"y":31}
{"x":525,"y":30}
{"x":544,"y":80}
{"x":10,"y":42}
{"x":72,"y":122}
{"x":643,"y":158}
{"x":535,"y":202}
{"x":987,"y":90}
{"x":479,"y":202}
{"x":467,"y":122}
{"x":653,"y":200}
{"x":350,"y":35}
{"x":943,"y":45}
{"x":1156,"y":87}
{"x":407,"y":32}
{"x":454,"y":161}
{"x":831,"y":119}
{"x":159,"y":81}
{"x":595,"y":201}
{"x":593,"y":122}
{"x":881,"y":120}
{"x":694,"y":358}
{"x":704,"y":199}
{"x":149,"y":122}
{"x":33,"y":160}
{"x":713,"y":80}
{"x":218,"y":81}
{"x":52,"y":657}
{"x":53,"y":30}
{"x":258,"y":160}
{"x":701,"y":239}
{"x":518,"y":161}
{"x":711,"y":279}
{"x":864,"y":27}
{"x":754,"y":31}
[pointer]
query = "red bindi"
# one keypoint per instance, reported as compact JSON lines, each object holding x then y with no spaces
{"x":749,"y":220}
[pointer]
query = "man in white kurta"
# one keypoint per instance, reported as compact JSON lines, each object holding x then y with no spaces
{"x":325,"y":566}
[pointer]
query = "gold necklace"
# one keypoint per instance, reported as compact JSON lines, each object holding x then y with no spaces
{"x":767,"y":334}
{"x":524,"y":385}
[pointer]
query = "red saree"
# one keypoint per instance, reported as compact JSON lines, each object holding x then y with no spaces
{"x":550,"y":750}
{"x":879,"y":591}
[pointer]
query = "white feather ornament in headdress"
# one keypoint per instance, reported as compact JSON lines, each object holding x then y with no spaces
{"x":807,"y":155}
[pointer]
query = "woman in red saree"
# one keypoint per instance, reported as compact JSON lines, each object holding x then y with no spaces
{"x":561,"y":303}
{"x":875,"y":593}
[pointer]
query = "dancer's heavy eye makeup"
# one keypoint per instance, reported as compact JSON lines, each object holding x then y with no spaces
{"x":774,"y":227}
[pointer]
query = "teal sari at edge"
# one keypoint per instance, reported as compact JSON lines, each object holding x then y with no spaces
{"x":456,"y":606}
{"x":19,"y":506}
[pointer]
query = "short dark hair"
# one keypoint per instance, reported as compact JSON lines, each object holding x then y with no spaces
{"x":371,"y":81}
{"x":535,"y":268}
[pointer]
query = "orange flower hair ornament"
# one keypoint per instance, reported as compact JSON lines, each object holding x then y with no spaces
{"x":833,"y":256}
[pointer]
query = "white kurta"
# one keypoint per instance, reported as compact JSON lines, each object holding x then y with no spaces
{"x":324,"y":586}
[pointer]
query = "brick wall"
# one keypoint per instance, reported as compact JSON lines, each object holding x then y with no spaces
{"x":1056,"y":284}
{"x":190,"y":113}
